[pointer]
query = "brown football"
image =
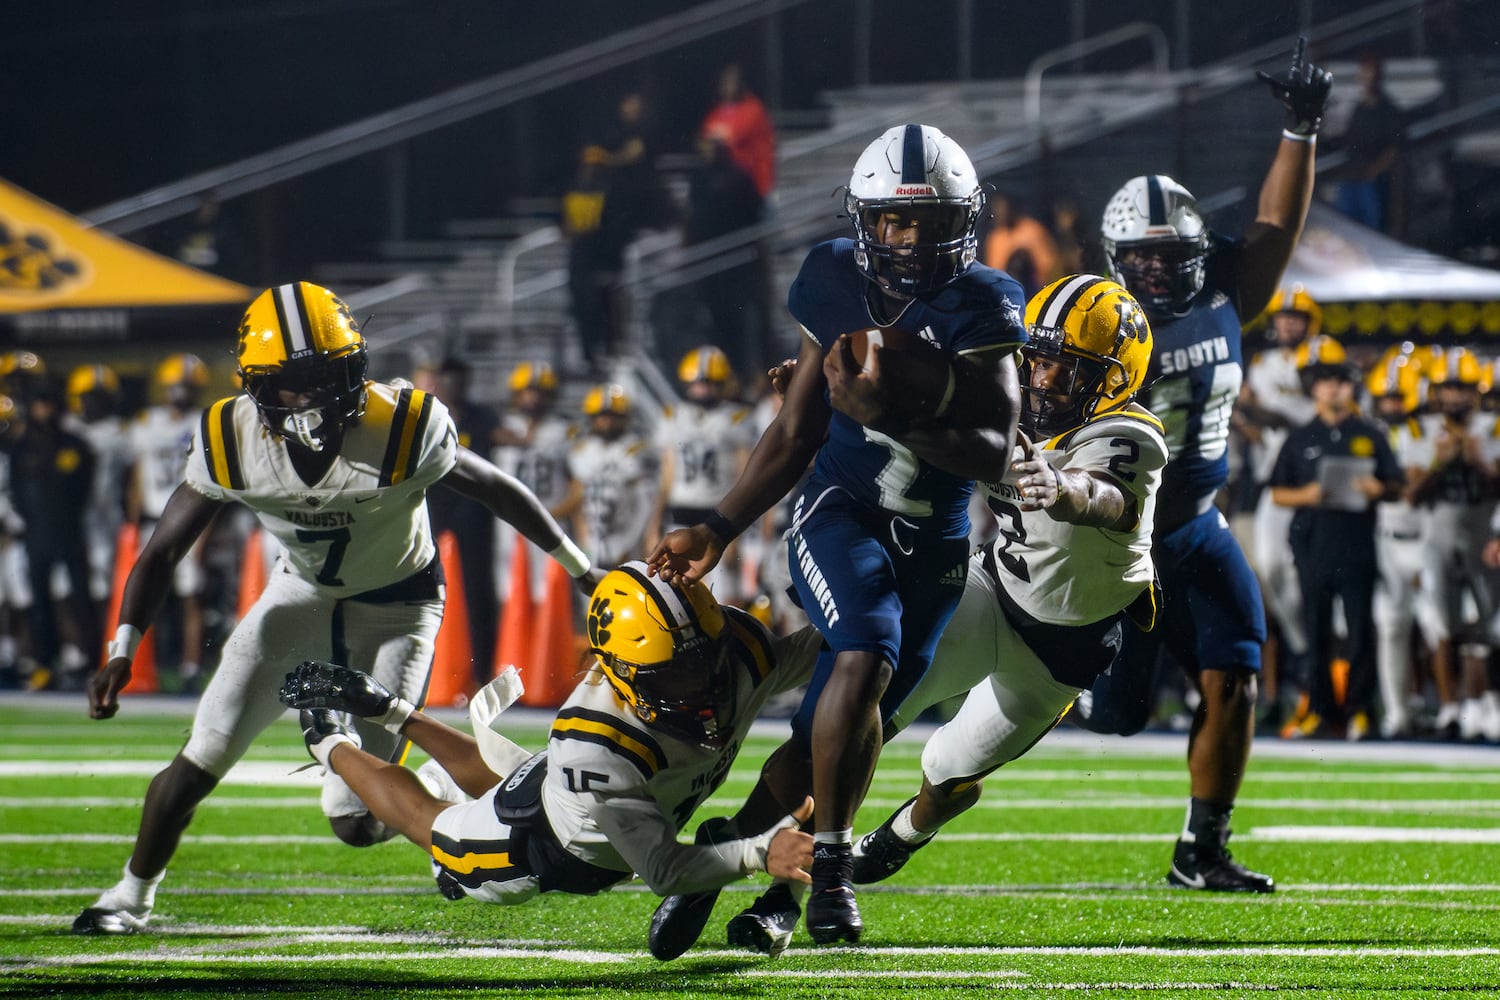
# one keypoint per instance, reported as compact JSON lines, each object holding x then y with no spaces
{"x":916,"y":373}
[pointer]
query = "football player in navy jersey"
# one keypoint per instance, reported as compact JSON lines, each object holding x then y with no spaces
{"x":1197,"y":290}
{"x":879,"y":538}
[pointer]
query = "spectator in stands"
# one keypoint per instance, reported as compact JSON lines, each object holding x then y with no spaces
{"x":1372,"y":143}
{"x":1331,"y":471}
{"x":471,"y":522}
{"x":208,"y":242}
{"x":722,"y":199}
{"x":740,"y":121}
{"x":616,"y":194}
{"x":1013,"y":230}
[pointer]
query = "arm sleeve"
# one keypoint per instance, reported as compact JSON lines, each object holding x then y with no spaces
{"x":647,"y":841}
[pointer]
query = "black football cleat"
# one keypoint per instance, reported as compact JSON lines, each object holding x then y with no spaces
{"x":832,"y":913}
{"x":1208,"y":865}
{"x":105,"y":920}
{"x":766,"y":925}
{"x":881,"y":854}
{"x":679,"y":920}
{"x":318,"y":724}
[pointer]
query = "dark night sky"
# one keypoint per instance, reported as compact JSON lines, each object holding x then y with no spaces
{"x":112,"y":98}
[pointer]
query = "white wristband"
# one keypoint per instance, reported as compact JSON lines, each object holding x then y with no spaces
{"x":1291,"y":136}
{"x":127,"y":639}
{"x":573,"y":559}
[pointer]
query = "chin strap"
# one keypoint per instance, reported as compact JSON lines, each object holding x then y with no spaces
{"x":304,"y":426}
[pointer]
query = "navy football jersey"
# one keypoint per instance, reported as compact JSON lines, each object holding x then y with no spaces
{"x":980,"y":310}
{"x":1191,"y":385}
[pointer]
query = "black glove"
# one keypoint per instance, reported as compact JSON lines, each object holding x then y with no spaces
{"x":315,"y":684}
{"x":1303,"y":91}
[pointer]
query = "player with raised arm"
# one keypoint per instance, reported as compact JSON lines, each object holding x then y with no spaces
{"x":1198,"y":291}
{"x":337,"y":468}
{"x":879,"y":538}
{"x":646,"y":736}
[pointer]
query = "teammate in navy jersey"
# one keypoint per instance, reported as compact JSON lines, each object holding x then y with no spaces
{"x":1198,"y":289}
{"x":879,"y":538}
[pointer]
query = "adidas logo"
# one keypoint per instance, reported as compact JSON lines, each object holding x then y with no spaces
{"x":954,"y":577}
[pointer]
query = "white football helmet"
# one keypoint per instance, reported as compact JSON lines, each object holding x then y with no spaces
{"x":1157,"y":243}
{"x":919,"y":172}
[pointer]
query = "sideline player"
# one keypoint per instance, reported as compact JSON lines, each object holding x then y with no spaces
{"x":337,"y":467}
{"x":1197,"y":291}
{"x":703,"y":442}
{"x":879,"y":538}
{"x":1043,"y":606}
{"x":648,"y":734}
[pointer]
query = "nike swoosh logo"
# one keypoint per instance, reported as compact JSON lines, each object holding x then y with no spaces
{"x":364,"y":499}
{"x":1196,"y":882}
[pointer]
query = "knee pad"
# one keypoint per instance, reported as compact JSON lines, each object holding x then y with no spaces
{"x":360,"y":829}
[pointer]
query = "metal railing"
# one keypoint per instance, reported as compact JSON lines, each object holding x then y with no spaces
{"x":429,"y":114}
{"x":1160,"y":60}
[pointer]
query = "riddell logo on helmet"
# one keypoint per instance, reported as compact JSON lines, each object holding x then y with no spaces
{"x":914,"y":189}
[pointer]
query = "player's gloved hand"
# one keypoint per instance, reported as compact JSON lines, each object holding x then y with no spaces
{"x":316,"y":684}
{"x":1303,"y":92}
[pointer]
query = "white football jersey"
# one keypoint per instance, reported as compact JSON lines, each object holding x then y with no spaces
{"x":1276,"y":382}
{"x":617,"y":791}
{"x":1065,"y":574}
{"x":365,"y":525}
{"x":160,"y":440}
{"x":542,"y":464}
{"x":1397,"y":518}
{"x":1459,"y":517}
{"x":705,"y":445}
{"x":620,"y":484}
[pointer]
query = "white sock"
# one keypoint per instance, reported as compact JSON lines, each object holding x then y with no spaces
{"x":321,"y":749}
{"x":844,"y":836}
{"x":132,"y":893}
{"x":902,"y":826}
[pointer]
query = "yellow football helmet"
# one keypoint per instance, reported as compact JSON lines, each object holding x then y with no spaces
{"x":17,"y":368}
{"x":704,"y":364}
{"x":91,"y":379}
{"x":1098,"y":333}
{"x":666,"y":652}
{"x":1298,"y":301}
{"x":533,"y":375}
{"x":1397,"y":374}
{"x":1454,"y":366}
{"x":182,"y":369}
{"x":606,"y":399}
{"x":303,"y":360}
{"x":1320,"y":350}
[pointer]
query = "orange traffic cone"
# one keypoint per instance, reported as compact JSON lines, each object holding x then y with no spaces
{"x":554,"y":660}
{"x":1339,"y":669}
{"x":518,"y":617}
{"x":252,"y":573}
{"x":452,"y":678}
{"x":143,"y":666}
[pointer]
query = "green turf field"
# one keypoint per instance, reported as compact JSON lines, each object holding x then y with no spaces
{"x":1387,"y":859}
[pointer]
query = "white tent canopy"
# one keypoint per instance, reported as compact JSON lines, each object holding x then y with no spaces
{"x":1339,"y":260}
